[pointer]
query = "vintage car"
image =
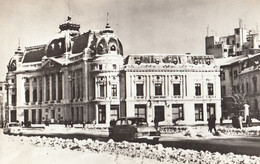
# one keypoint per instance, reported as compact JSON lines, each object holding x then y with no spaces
{"x":132,"y":128}
{"x":12,"y":128}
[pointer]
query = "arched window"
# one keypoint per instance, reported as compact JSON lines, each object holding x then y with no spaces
{"x":113,"y":48}
{"x":27,"y":95}
{"x":34,"y":95}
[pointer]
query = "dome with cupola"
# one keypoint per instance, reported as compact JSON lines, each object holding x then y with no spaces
{"x":62,"y":41}
{"x":108,"y":43}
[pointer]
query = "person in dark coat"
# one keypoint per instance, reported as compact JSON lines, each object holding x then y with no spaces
{"x":83,"y":125}
{"x":248,"y":121}
{"x":156,"y":122}
{"x":212,"y":123}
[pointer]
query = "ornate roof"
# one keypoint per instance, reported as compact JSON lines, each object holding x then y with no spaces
{"x":34,"y":53}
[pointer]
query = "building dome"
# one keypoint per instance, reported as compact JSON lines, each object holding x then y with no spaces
{"x":62,"y":41}
{"x":12,"y":64}
{"x":108,"y":43}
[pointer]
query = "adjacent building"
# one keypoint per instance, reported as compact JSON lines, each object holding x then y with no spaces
{"x":84,"y":77}
{"x":238,"y":56}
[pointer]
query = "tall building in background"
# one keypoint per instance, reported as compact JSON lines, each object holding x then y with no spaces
{"x":85,"y":77}
{"x":238,"y":56}
{"x":242,"y":42}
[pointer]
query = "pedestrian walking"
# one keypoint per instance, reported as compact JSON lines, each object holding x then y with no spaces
{"x":248,"y":121}
{"x":156,"y":122}
{"x":66,"y":124}
{"x":83,"y":125}
{"x":212,"y":123}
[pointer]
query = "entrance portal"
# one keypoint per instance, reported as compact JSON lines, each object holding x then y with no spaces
{"x":159,"y":112}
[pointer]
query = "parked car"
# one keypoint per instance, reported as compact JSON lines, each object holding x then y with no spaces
{"x":12,"y":128}
{"x":133,"y":128}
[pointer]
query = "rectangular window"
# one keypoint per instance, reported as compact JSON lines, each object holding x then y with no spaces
{"x":140,"y":111}
{"x":139,"y":89}
{"x":114,"y":90}
{"x":100,"y":66}
{"x":198,"y":112}
{"x":230,"y":51}
{"x":101,"y":114}
{"x":210,"y":89}
{"x":102,"y":91}
{"x":158,"y":89}
{"x":223,"y":76}
{"x":114,"y":66}
{"x":235,"y":74}
{"x":225,"y":50}
{"x":223,"y":90}
{"x":1,"y":88}
{"x":211,"y":110}
{"x":114,"y":114}
{"x":176,"y":89}
{"x":198,"y":89}
{"x":177,"y":112}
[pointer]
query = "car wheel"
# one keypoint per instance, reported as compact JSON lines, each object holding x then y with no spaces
{"x":156,"y":140}
{"x":132,"y":137}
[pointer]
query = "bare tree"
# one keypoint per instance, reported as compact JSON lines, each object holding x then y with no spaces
{"x":239,"y":100}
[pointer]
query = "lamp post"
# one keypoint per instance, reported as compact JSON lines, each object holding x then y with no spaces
{"x":6,"y":117}
{"x":70,"y":85}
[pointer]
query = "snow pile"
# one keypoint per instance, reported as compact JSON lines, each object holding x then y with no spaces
{"x":140,"y":150}
{"x":250,"y":131}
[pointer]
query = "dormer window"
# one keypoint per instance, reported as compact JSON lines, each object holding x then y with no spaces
{"x":113,"y":48}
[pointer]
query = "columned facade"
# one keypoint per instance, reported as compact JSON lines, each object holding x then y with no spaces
{"x":84,"y":77}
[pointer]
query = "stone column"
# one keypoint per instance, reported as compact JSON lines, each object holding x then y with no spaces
{"x":44,"y":88}
{"x":57,"y":86}
{"x":50,"y":86}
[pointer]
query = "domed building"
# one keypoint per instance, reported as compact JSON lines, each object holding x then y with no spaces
{"x":84,"y":77}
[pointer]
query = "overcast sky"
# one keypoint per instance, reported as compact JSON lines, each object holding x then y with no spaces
{"x":143,"y":26}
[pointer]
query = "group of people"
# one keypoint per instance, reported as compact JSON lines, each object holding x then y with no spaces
{"x":237,"y":121}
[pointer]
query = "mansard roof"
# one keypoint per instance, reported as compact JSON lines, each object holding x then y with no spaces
{"x":80,"y":43}
{"x":34,"y":53}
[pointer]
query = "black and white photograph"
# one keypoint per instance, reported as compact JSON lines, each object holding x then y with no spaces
{"x":129,"y":81}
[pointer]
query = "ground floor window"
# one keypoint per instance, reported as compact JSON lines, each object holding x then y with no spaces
{"x":114,"y":114}
{"x":140,"y":111}
{"x":198,"y":112}
{"x":13,"y":116}
{"x":101,"y":114}
{"x":211,"y":110}
{"x":177,"y":112}
{"x":33,"y":116}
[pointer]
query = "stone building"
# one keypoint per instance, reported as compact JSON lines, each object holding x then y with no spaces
{"x":85,"y":77}
{"x":244,"y":41}
{"x":238,"y":57}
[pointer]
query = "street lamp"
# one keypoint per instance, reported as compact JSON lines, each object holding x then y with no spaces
{"x":70,"y":81}
{"x":6,"y":117}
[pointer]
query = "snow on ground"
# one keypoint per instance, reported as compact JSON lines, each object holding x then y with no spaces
{"x":28,"y":150}
{"x":14,"y":149}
